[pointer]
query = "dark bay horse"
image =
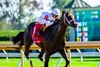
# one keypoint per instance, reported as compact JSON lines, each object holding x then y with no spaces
{"x":53,"y":38}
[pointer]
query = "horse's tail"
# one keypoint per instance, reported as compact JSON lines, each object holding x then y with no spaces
{"x":19,"y":39}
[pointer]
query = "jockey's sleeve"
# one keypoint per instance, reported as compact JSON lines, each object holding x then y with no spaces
{"x":48,"y":23}
{"x":41,"y":20}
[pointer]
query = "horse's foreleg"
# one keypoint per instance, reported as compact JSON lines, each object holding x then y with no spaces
{"x":47,"y":56}
{"x":41,"y":52}
{"x":41,"y":55}
{"x":63,"y":54}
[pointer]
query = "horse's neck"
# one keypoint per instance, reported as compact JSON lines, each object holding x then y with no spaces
{"x":62,"y":30}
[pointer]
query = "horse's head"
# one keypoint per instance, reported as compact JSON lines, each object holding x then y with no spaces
{"x":68,"y":19}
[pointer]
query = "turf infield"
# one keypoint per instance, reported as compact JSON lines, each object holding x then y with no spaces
{"x":88,"y":62}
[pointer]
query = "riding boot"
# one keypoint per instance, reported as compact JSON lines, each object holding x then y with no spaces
{"x":40,"y":31}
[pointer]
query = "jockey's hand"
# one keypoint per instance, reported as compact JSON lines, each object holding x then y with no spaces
{"x":57,"y":20}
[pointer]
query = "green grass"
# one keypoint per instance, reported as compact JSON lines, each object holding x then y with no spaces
{"x":9,"y":33}
{"x":6,"y":35}
{"x":5,"y":42}
{"x":75,"y":62}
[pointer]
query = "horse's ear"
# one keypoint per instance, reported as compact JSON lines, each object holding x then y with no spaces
{"x":63,"y":12}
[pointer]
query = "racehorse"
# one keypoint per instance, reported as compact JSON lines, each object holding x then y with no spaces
{"x":53,"y":38}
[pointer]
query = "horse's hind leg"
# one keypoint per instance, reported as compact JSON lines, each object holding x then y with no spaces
{"x":27,"y":54}
{"x":63,"y":54}
{"x":27,"y":43}
{"x":27,"y":51}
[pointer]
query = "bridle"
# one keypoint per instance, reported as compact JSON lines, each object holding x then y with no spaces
{"x":66,"y":20}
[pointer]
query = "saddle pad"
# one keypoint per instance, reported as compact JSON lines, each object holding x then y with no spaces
{"x":35,"y":37}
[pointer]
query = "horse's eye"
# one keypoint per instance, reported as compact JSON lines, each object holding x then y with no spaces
{"x":69,"y":18}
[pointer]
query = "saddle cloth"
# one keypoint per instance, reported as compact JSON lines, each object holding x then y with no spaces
{"x":35,"y":37}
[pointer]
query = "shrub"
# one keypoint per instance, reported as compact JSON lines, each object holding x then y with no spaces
{"x":6,"y":35}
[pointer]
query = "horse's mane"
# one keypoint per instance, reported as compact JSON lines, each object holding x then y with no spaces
{"x":56,"y":22}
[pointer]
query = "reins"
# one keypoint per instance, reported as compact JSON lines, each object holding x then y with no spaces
{"x":65,"y":19}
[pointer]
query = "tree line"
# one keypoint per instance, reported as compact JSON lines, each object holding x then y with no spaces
{"x":17,"y":14}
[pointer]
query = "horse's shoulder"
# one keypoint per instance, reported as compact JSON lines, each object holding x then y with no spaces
{"x":52,"y":26}
{"x":56,"y":23}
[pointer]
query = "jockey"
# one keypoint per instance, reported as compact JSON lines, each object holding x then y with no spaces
{"x":47,"y":19}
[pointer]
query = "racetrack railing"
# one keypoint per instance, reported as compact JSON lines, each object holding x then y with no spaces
{"x":69,"y":46}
